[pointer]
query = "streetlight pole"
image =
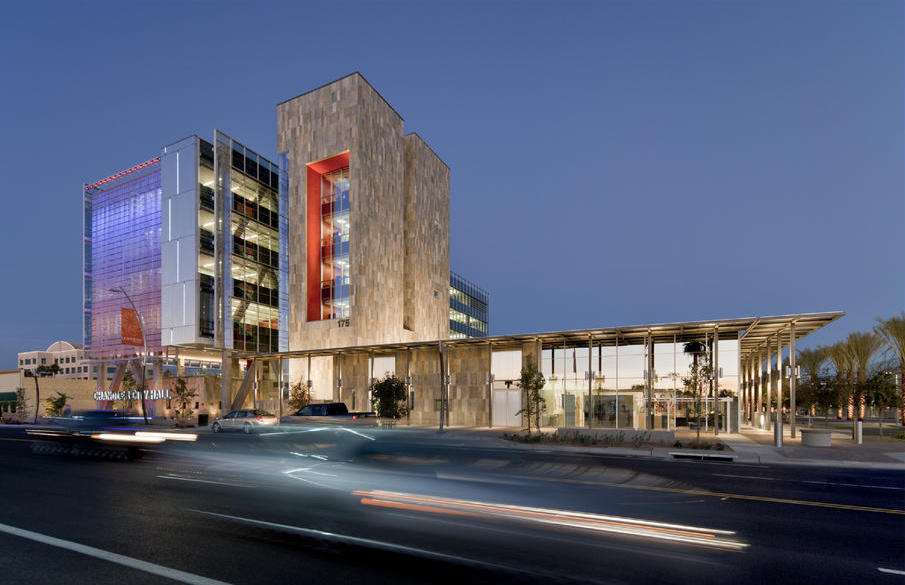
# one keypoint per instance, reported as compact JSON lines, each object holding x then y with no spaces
{"x":144,"y":357}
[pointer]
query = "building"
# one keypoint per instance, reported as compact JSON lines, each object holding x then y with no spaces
{"x":223,"y":253}
{"x":70,"y":359}
{"x":192,"y":241}
{"x":622,"y":378}
{"x":331,"y":269}
{"x":369,"y":210}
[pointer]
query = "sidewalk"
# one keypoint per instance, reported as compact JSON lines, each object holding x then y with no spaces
{"x":751,"y":446}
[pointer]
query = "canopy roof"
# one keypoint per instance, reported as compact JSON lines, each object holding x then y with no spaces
{"x":754,"y":334}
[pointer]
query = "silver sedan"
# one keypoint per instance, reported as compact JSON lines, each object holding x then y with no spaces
{"x":247,"y":421}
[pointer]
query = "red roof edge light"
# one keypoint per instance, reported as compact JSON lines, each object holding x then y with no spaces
{"x":122,"y":174}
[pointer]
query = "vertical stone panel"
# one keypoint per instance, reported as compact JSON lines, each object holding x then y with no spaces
{"x":426,"y":262}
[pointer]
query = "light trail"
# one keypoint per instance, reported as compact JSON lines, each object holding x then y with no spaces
{"x":597,"y":522}
{"x":127,"y":438}
{"x":168,"y":436}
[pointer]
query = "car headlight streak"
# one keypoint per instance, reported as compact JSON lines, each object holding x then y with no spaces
{"x":596,"y":522}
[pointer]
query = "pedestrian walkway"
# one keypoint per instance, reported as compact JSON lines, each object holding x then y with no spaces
{"x":751,"y":445}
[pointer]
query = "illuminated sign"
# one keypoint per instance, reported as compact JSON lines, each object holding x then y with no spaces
{"x":132,"y":395}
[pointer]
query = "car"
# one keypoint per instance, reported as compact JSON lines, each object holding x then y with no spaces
{"x":331,"y":413}
{"x":92,"y":421}
{"x":247,"y":420}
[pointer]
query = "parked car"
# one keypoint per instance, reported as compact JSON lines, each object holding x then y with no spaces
{"x":246,"y":420}
{"x":331,"y":413}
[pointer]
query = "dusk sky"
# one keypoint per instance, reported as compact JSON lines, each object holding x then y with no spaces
{"x":612,"y":163}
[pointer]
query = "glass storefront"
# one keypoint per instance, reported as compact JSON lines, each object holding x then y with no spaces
{"x":617,"y":396}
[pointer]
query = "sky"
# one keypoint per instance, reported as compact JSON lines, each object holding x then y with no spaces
{"x":612,"y":163}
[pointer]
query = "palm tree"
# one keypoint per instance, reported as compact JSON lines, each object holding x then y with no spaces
{"x":861,"y":348}
{"x":696,"y":348}
{"x":892,"y":331}
{"x":842,"y":363}
{"x":811,"y":360}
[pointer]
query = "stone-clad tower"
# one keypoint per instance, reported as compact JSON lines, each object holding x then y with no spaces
{"x":369,"y":222}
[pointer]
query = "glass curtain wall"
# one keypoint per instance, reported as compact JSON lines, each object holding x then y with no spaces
{"x":248,"y":254}
{"x":618,"y":383}
{"x":122,"y":250}
{"x":468,"y":308}
{"x":335,"y":231}
{"x":206,"y":229}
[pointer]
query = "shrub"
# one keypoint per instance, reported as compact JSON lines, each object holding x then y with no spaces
{"x":388,"y":398}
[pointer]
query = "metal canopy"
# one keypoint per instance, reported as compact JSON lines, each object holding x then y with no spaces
{"x":754,"y":333}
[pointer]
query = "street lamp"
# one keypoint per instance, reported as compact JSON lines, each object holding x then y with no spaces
{"x":144,"y":357}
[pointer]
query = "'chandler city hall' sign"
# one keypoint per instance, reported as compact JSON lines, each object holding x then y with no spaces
{"x":132,"y":395}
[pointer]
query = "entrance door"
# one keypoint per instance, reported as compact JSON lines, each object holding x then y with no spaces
{"x":506,"y":404}
{"x":568,"y":407}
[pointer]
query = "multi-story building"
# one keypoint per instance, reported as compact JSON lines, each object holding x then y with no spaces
{"x":225,"y":254}
{"x":191,"y":239}
{"x":369,"y":210}
{"x":70,"y":359}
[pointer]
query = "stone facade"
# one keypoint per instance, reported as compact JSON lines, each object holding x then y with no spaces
{"x":399,"y":216}
{"x":426,"y":254}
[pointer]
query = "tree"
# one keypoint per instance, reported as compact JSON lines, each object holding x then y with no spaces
{"x":21,"y":402}
{"x":127,"y":385}
{"x":183,"y":398}
{"x":51,"y":370}
{"x":879,"y":390}
{"x":388,"y":398}
{"x":842,"y":364}
{"x":861,"y":348}
{"x":811,"y":361}
{"x":299,"y":396}
{"x":892,"y":331}
{"x":701,"y":372}
{"x":54,"y":405}
{"x":37,"y":392}
{"x":531,"y":381}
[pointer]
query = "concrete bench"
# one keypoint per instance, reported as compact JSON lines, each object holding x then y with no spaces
{"x":816,"y":437}
{"x":702,"y":455}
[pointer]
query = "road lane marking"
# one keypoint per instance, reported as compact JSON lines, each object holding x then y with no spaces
{"x":204,"y":481}
{"x":131,"y":562}
{"x":879,"y":487}
{"x":368,"y":542}
{"x":890,"y":571}
{"x":698,"y":492}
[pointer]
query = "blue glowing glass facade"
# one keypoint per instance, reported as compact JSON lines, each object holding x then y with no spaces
{"x":122,"y":250}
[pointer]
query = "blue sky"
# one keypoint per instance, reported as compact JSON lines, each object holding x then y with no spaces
{"x":613,"y":163}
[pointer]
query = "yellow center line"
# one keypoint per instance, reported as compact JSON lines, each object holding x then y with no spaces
{"x":698,"y":492}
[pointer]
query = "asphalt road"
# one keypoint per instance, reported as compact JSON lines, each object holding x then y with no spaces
{"x":356,"y":505}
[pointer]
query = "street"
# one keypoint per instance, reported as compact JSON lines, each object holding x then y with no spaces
{"x":307,"y":504}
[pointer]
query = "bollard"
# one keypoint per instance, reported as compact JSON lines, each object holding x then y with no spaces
{"x":859,"y":426}
{"x":777,"y":432}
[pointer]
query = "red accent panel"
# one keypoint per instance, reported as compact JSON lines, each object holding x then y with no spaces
{"x":313,"y":229}
{"x":313,"y":244}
